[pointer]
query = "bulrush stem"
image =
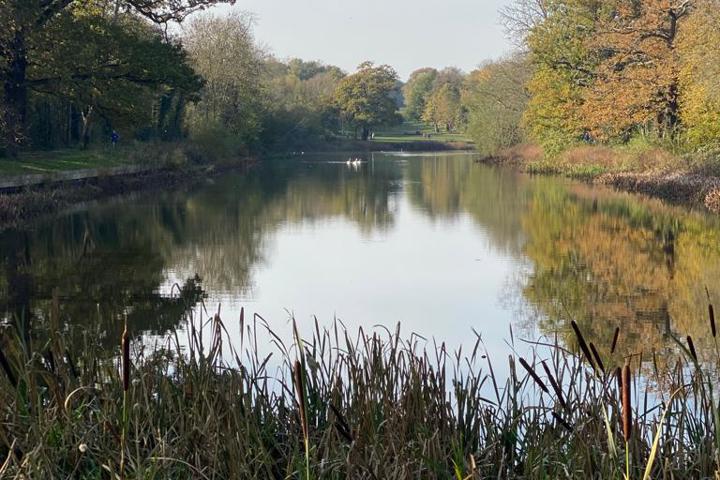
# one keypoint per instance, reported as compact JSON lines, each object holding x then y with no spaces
{"x":626,"y":415}
{"x":298,"y":375}
{"x":125,"y":365}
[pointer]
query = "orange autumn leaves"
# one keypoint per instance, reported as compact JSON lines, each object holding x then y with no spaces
{"x":622,"y":67}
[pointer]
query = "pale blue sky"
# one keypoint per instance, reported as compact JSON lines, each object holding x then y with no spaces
{"x":406,"y":34}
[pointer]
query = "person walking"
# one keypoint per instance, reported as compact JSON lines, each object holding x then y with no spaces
{"x":114,"y":138}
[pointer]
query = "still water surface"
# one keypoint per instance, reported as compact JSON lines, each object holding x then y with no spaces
{"x":443,"y":245}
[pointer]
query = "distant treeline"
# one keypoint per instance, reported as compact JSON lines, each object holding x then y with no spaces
{"x":607,"y":72}
{"x":72,"y":72}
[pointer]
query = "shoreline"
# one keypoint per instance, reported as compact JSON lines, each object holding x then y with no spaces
{"x":691,"y":188}
{"x":23,"y":203}
{"x":24,"y":198}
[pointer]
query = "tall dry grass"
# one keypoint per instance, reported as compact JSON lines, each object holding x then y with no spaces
{"x":368,"y":405}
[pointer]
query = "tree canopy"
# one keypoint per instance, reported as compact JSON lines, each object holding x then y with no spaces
{"x":365,"y":97}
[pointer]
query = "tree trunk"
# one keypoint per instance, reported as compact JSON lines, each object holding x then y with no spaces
{"x":365,"y":133}
{"x":15,"y":97}
{"x":669,"y":116}
{"x":86,"y":126}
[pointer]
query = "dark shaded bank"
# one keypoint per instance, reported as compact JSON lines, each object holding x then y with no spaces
{"x":24,"y":203}
{"x":655,"y":173}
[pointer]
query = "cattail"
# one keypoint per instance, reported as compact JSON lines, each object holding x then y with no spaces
{"x":691,"y":345}
{"x":8,"y":370}
{"x":597,"y":358}
{"x":615,"y":339}
{"x":300,"y":391}
{"x":626,"y":407}
{"x":562,"y":421}
{"x":534,"y":375}
{"x":125,"y":348}
{"x":341,"y":424}
{"x":711,"y":312}
{"x":554,"y":385}
{"x":583,"y":345}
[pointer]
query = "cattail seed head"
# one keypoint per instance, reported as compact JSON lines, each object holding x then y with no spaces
{"x":691,"y":346}
{"x":615,"y":339}
{"x":300,"y":391}
{"x":583,"y":345}
{"x":597,"y":358}
{"x":711,"y":313}
{"x":125,"y":350}
{"x":626,"y":406}
{"x":534,"y":375}
{"x":554,"y":385}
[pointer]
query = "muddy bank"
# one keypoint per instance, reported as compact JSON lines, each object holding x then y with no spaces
{"x":681,"y":187}
{"x":21,"y":204}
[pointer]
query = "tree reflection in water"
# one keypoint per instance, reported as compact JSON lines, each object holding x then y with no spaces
{"x":601,"y":258}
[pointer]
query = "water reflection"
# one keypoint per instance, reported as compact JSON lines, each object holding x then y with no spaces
{"x":438,"y":242}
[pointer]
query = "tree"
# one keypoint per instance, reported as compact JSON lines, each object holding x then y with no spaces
{"x":300,"y":104}
{"x":26,"y":23}
{"x":444,"y":106}
{"x":120,"y":66}
{"x":364,"y":98}
{"x":417,"y":90}
{"x":222,"y":50}
{"x":637,"y":77}
{"x":700,"y":76}
{"x":563,"y":69}
{"x":496,"y":97}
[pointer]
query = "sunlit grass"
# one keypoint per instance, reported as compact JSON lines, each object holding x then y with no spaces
{"x":43,"y":162}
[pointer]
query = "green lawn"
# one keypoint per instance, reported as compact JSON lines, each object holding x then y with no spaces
{"x":406,"y":132}
{"x":42,"y":162}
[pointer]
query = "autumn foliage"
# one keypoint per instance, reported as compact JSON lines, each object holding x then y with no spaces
{"x":609,"y":71}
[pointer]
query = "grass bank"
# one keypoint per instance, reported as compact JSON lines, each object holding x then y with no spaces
{"x":44,"y":183}
{"x":365,"y":405}
{"x":685,"y":179}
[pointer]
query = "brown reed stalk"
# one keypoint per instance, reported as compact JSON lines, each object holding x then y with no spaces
{"x":615,"y":340}
{"x":554,"y":384}
{"x":597,"y":358}
{"x":298,"y":375}
{"x":691,"y":346}
{"x":626,"y":406}
{"x":583,"y":345}
{"x":711,"y":313}
{"x":534,"y":375}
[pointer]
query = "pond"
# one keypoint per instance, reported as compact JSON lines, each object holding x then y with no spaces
{"x":446,"y":247}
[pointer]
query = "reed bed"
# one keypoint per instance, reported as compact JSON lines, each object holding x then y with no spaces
{"x":337,"y":405}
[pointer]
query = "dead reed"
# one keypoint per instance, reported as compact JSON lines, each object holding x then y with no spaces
{"x":340,"y":404}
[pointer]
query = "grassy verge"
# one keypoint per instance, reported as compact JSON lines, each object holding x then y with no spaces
{"x":409,"y":132}
{"x":341,"y":405}
{"x":43,"y":162}
{"x":639,"y":168}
